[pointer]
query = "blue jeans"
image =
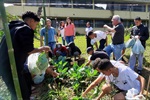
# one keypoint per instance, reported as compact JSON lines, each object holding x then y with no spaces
{"x":132,"y":60}
{"x":116,"y":49}
{"x":52,"y":45}
{"x":69,"y":39}
{"x":63,"y":41}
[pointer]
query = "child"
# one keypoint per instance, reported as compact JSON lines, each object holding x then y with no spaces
{"x":74,"y":50}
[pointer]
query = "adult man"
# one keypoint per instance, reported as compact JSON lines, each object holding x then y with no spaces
{"x":140,"y":32}
{"x":96,"y":54}
{"x":52,"y":36}
{"x":22,"y":34}
{"x":118,"y":38}
{"x":87,"y":30}
{"x":98,"y":36}
{"x":118,"y":77}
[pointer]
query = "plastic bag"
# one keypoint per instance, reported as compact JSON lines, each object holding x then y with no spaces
{"x":130,"y":43}
{"x":38,"y":78}
{"x":37,"y":63}
{"x":138,"y":47}
{"x":132,"y":94}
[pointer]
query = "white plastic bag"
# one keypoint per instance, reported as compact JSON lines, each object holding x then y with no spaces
{"x":38,"y":78}
{"x":132,"y":94}
{"x":138,"y":47}
{"x":37,"y":63}
{"x":130,"y":43}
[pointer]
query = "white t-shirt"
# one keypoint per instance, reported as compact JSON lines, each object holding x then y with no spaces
{"x":126,"y":79}
{"x":100,"y":35}
{"x":88,"y":29}
{"x":62,"y":31}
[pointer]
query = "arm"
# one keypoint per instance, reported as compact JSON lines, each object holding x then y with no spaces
{"x":88,"y":63}
{"x":109,"y":28}
{"x":146,"y":36}
{"x":41,"y":49}
{"x":142,"y":83}
{"x":93,"y":84}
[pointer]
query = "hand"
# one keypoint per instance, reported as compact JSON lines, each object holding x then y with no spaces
{"x":105,"y":26}
{"x":83,"y":95}
{"x":137,"y":37}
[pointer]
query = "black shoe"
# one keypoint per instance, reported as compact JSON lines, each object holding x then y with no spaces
{"x":139,"y":72}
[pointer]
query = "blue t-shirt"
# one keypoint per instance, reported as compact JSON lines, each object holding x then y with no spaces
{"x":51,"y":34}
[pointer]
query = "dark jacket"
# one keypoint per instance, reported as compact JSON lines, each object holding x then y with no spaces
{"x":141,"y":31}
{"x":74,"y":48}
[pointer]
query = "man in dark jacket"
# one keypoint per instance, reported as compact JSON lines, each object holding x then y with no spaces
{"x":139,"y":31}
{"x":22,"y":35}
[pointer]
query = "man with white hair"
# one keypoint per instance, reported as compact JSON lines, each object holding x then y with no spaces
{"x":118,"y":38}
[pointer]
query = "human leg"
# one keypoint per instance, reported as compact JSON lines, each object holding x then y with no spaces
{"x":117,"y":50}
{"x":88,"y":42}
{"x":102,"y":44}
{"x":71,"y":38}
{"x":119,"y":96}
{"x":140,"y":61}
{"x":132,"y":60}
{"x":108,"y":50}
{"x":106,"y":89}
{"x":67,"y":39}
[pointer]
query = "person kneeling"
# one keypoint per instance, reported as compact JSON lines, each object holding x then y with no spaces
{"x":118,"y":77}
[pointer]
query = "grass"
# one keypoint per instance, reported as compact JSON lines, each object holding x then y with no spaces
{"x":81,"y":43}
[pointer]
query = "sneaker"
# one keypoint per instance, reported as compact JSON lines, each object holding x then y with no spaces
{"x":139,"y":72}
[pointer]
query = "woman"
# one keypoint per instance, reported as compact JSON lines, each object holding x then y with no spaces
{"x":61,"y":31}
{"x":69,"y":31}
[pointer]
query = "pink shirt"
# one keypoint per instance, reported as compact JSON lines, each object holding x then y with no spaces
{"x":70,"y":30}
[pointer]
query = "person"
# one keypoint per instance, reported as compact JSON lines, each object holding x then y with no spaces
{"x":69,"y":31}
{"x":141,"y":32}
{"x":39,"y":67}
{"x":74,"y":50}
{"x":113,"y":72}
{"x":96,"y":54}
{"x":98,"y":36}
{"x":118,"y":38}
{"x":61,"y":31}
{"x":61,"y":50}
{"x":22,"y":35}
{"x":52,"y":36}
{"x":87,"y":30}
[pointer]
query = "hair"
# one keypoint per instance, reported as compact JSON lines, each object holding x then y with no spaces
{"x":121,"y":19}
{"x":31,"y":15}
{"x":105,"y":64}
{"x":48,"y":20}
{"x":117,"y":17}
{"x":88,"y":23}
{"x":138,"y":18}
{"x":89,"y":49}
{"x":90,"y":33}
{"x":67,"y":22}
{"x":96,"y":63}
{"x":60,"y":24}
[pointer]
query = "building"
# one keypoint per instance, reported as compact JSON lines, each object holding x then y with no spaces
{"x":97,"y":12}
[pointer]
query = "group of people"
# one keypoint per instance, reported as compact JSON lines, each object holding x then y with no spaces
{"x":65,"y":30}
{"x":22,"y":34}
{"x":117,"y":75}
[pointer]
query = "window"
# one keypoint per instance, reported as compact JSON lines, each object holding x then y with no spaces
{"x":82,"y":22}
{"x":138,"y":7}
{"x":85,"y":4}
{"x":60,"y":3}
{"x":102,"y":22}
